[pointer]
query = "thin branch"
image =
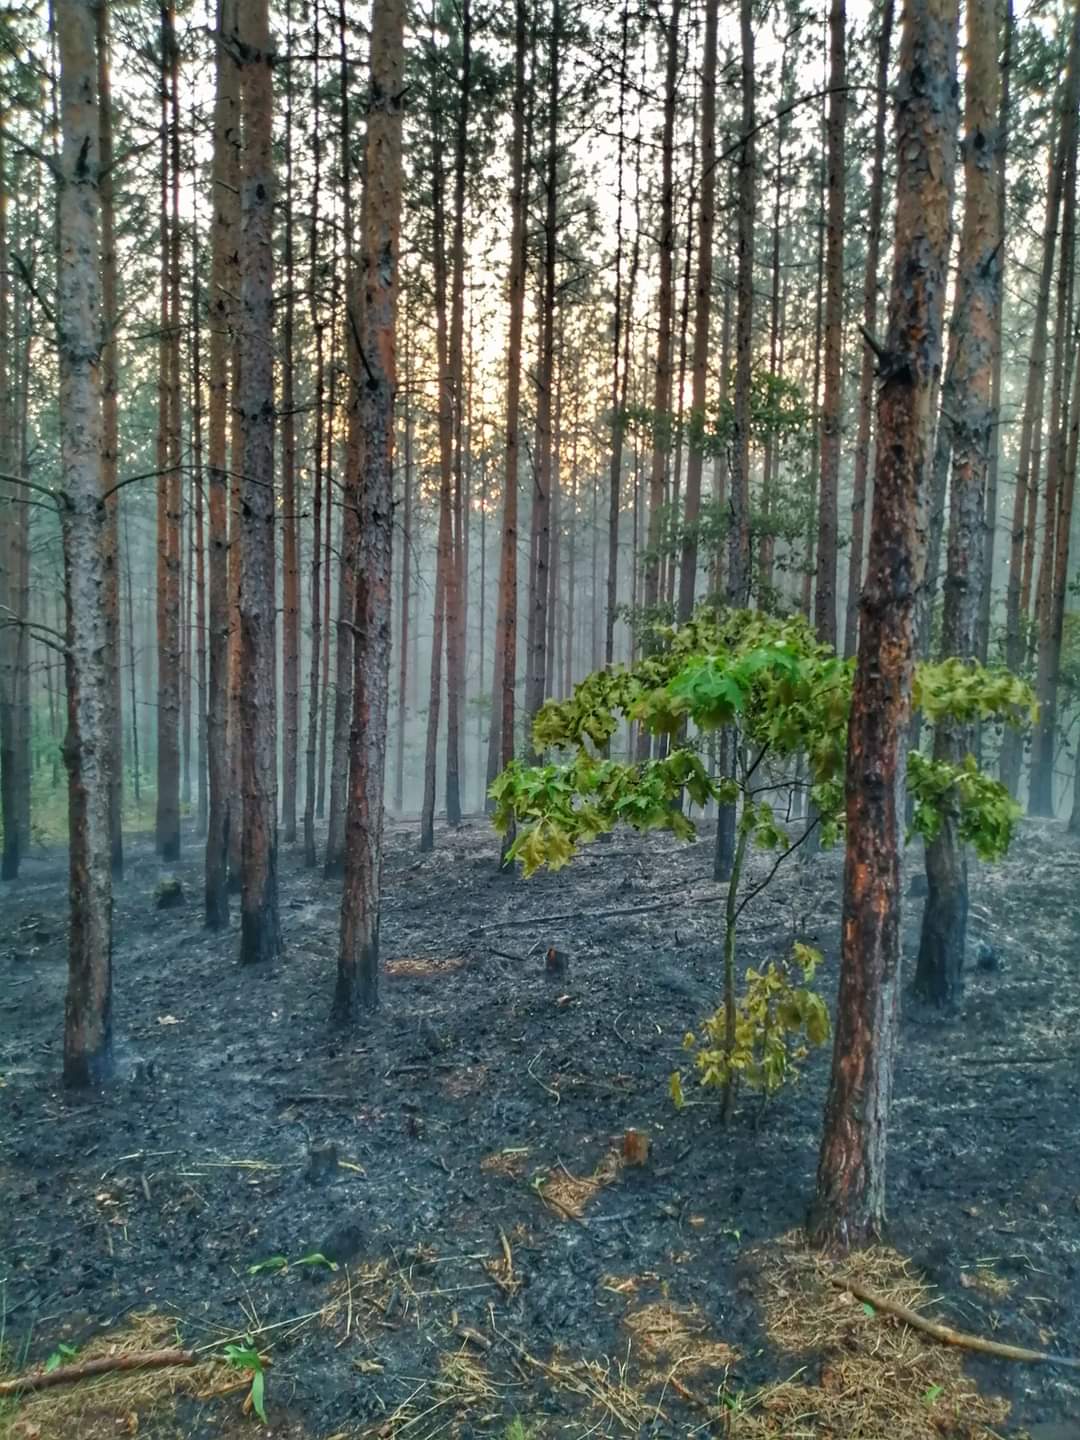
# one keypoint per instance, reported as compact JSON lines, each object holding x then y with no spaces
{"x":54,"y":495}
{"x":779,"y":861}
{"x":947,"y":1335}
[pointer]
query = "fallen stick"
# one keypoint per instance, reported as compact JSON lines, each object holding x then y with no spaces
{"x":947,"y":1335}
{"x":103,"y":1365}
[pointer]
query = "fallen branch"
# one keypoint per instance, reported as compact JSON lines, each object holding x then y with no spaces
{"x":947,"y":1335}
{"x":103,"y":1365}
{"x":1007,"y":1059}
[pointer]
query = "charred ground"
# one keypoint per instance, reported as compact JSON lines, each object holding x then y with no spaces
{"x":433,"y":1158}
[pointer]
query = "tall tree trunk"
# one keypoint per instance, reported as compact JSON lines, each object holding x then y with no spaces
{"x":110,"y":427}
{"x":358,"y":958}
{"x":223,"y":264}
{"x":260,"y":930}
{"x":738,"y":566}
{"x":445,"y":611}
{"x":87,"y":746}
{"x":502,"y":706}
{"x":14,"y":637}
{"x":289,"y":501}
{"x":406,"y":562}
{"x":536,"y":682}
{"x":832,"y":406}
{"x":350,"y":510}
{"x":457,"y":578}
{"x":199,"y":527}
{"x":850,"y":1203}
{"x":1022,"y":535}
{"x":168,"y":513}
{"x":662,"y":373}
{"x":870,"y":310}
{"x":1055,"y":537}
{"x":939,"y":974}
{"x":618,"y":384}
{"x":311,"y":783}
{"x":770,"y":456}
{"x":703,"y":300}
{"x":986,"y":599}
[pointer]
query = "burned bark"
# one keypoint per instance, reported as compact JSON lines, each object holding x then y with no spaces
{"x":850,"y":1202}
{"x":358,"y":958}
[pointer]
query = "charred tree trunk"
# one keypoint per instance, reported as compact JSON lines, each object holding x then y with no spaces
{"x":358,"y":959}
{"x":939,"y":975}
{"x":87,"y":746}
{"x":260,"y":930}
{"x":850,"y":1204}
{"x":832,"y":406}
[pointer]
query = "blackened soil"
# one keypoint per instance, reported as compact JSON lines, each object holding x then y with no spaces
{"x":482,"y":1079}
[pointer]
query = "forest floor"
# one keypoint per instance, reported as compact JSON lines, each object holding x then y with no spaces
{"x":498,"y":1270}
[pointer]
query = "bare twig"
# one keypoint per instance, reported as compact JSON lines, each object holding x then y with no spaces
{"x":103,"y":1365}
{"x":947,"y":1335}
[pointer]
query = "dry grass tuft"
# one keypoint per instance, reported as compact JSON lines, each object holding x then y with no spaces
{"x":417,"y":966}
{"x":567,"y":1195}
{"x":671,"y":1338}
{"x":113,"y":1405}
{"x":870,"y":1377}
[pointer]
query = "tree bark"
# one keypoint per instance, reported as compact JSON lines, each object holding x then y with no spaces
{"x":1050,"y":600}
{"x":169,"y":494}
{"x":318,"y":329}
{"x":14,"y":636}
{"x":110,"y":429}
{"x":1022,"y":535}
{"x":939,"y":973}
{"x":223,"y":258}
{"x":502,"y":709}
{"x":458,"y":577}
{"x":662,"y":370}
{"x":738,"y":566}
{"x":870,"y":310}
{"x":87,"y":746}
{"x":289,"y":500}
{"x":358,"y":959}
{"x":850,"y":1202}
{"x":537,"y":679}
{"x":260,"y":930}
{"x":350,"y":513}
{"x":703,"y":299}
{"x":832,"y":406}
